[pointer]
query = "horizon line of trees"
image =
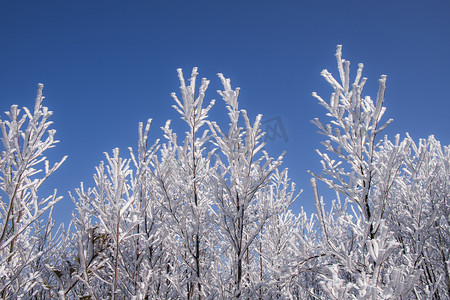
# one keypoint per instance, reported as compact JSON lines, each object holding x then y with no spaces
{"x":181,"y":219}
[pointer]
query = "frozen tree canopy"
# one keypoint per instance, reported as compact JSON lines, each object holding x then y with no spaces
{"x":205,"y":213}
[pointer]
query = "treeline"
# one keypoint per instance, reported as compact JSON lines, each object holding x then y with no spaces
{"x":181,"y":219}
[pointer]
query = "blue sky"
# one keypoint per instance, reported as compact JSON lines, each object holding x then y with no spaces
{"x":108,"y":65}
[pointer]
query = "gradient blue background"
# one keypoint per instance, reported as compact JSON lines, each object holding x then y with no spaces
{"x":107,"y":65}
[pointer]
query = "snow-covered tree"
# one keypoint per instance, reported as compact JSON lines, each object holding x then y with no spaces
{"x":417,"y":210}
{"x":24,"y":235}
{"x":184,"y":193}
{"x":249,"y":192}
{"x":380,"y":242}
{"x":117,"y":233}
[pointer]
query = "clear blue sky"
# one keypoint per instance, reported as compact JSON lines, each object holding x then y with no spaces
{"x":107,"y":65}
